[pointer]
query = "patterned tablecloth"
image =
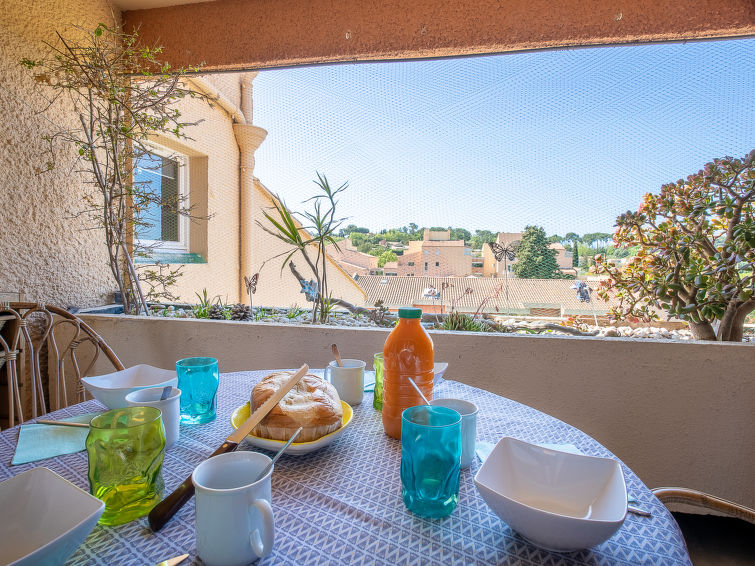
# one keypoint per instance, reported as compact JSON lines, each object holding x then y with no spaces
{"x":342,"y":504}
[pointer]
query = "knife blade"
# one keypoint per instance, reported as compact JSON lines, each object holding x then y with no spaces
{"x":163,"y":511}
{"x":175,"y":561}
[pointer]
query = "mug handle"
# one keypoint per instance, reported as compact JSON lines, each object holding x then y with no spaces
{"x":263,"y":545}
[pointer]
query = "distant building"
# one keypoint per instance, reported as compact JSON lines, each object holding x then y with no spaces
{"x":435,"y":255}
{"x":494,"y":268}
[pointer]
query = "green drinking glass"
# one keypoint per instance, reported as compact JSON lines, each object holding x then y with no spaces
{"x":377,"y":363}
{"x":125,"y":448}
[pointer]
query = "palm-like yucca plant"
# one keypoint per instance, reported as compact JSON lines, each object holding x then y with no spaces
{"x":309,"y":238}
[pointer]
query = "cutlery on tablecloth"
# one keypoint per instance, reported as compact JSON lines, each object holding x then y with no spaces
{"x":163,"y":511}
{"x":418,"y":390}
{"x":637,"y":511}
{"x":62,"y":423}
{"x":337,"y":355}
{"x":279,"y":454}
{"x":175,"y":561}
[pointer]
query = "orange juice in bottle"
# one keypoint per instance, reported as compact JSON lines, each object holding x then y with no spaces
{"x":408,"y":352}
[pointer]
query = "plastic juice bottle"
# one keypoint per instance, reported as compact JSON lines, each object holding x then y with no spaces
{"x":408,"y":352}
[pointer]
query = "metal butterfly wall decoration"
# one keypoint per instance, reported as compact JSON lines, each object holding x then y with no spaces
{"x":251,"y":286}
{"x":507,"y":251}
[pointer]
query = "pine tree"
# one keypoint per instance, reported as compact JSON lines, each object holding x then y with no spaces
{"x":535,"y":259}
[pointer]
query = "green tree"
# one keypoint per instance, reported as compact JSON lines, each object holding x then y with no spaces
{"x":386,"y":256}
{"x":535,"y":259}
{"x":482,"y":237}
{"x":357,"y":238}
{"x":696,"y":257}
{"x":461,"y":234}
{"x":574,"y":238}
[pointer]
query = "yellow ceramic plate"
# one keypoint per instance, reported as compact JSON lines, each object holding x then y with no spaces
{"x":296,"y":448}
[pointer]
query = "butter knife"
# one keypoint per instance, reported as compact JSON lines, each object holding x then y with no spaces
{"x":173,"y":561}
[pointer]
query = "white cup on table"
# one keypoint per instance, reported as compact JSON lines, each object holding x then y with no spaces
{"x":234,"y":519}
{"x":169,"y":407}
{"x":348,"y":380}
{"x":468,"y":412}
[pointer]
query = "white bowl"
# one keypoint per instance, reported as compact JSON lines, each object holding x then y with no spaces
{"x":46,"y":518}
{"x":554,"y":499}
{"x":111,"y":389}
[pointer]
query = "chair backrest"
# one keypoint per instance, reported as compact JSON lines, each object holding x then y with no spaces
{"x":670,"y":496}
{"x":31,"y":331}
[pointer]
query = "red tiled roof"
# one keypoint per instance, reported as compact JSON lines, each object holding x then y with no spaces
{"x":523,"y":294}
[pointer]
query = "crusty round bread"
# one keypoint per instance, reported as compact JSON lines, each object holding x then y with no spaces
{"x":312,"y":404}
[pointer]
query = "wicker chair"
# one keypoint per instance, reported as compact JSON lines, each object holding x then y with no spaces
{"x":28,"y":330}
{"x":675,"y":495}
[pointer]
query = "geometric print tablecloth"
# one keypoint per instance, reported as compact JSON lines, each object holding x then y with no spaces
{"x":342,"y":504}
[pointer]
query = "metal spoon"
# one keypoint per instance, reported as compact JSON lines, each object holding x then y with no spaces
{"x":278,"y":455}
{"x":419,"y":391}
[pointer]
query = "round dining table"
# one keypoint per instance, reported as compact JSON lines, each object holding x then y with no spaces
{"x":342,"y":504}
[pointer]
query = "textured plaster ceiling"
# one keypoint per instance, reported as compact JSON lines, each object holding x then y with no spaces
{"x":147,"y":4}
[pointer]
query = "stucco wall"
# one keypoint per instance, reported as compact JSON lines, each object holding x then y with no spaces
{"x":393,"y":29}
{"x":213,"y":140}
{"x":678,"y":413}
{"x":43,"y":251}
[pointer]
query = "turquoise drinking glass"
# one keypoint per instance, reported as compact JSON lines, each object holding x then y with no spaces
{"x":430,"y":460}
{"x":125,"y":449}
{"x":198,"y":380}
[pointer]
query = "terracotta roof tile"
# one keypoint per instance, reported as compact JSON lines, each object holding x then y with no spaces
{"x":523,"y":294}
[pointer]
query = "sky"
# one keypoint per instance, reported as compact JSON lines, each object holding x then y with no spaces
{"x":565,"y":139}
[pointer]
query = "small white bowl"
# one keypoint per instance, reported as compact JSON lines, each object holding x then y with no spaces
{"x":46,"y":518}
{"x":111,"y":389}
{"x":556,"y":500}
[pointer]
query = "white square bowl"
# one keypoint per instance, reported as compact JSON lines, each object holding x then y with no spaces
{"x":556,"y":500}
{"x":111,"y":389}
{"x":45,"y":518}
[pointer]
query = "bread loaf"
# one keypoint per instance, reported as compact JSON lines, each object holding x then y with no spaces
{"x":312,"y":404}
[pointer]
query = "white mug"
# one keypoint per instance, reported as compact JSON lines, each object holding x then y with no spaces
{"x":234,"y":520}
{"x":348,"y":380}
{"x":468,"y":412}
{"x":170,"y":408}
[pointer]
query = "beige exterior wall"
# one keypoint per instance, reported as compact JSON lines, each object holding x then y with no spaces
{"x":660,"y":406}
{"x":43,"y":251}
{"x":444,"y":257}
{"x":214,"y":192}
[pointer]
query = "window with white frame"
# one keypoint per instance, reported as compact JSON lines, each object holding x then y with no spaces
{"x":163,"y":175}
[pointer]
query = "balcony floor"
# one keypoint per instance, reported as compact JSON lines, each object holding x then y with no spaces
{"x":718,"y":541}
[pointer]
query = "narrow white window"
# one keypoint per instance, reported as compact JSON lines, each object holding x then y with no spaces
{"x":164,"y":177}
